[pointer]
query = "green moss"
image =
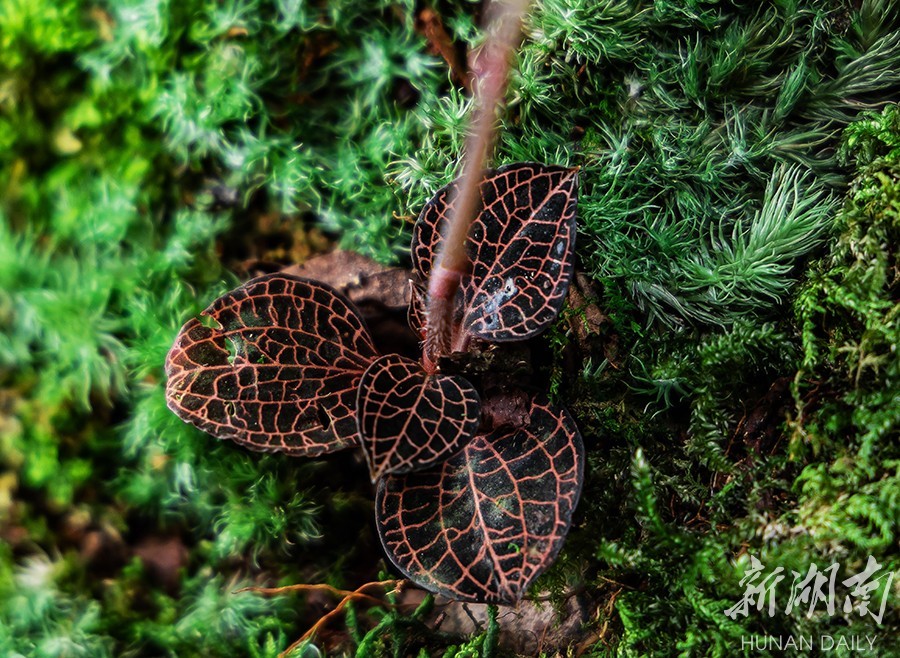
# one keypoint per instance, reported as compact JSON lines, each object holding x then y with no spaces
{"x":820,"y":488}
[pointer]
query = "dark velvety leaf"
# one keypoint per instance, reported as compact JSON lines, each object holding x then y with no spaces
{"x":277,"y":372}
{"x":521,"y":246}
{"x":416,"y":313}
{"x":409,"y":420}
{"x":483,"y":525}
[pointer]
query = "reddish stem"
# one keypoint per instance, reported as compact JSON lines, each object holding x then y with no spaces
{"x":490,"y":69}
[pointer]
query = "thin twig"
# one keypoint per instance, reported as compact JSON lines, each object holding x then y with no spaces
{"x":346,"y":597}
{"x":275,"y":591}
{"x":433,"y":28}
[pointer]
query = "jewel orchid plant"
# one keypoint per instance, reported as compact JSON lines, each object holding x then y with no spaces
{"x":476,"y":481}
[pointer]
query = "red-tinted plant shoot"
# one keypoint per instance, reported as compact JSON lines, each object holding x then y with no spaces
{"x":471,"y":504}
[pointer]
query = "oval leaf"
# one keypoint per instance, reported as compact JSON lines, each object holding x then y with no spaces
{"x":278,"y":372}
{"x":409,"y":420}
{"x":521,"y":247}
{"x":482,"y":526}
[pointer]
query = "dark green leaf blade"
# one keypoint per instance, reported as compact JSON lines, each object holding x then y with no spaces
{"x":521,"y":247}
{"x":278,"y":372}
{"x":409,"y":420}
{"x":483,"y":525}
